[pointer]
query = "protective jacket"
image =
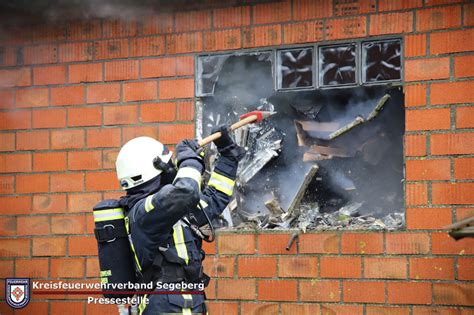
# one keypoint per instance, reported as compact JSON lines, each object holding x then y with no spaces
{"x":164,"y":246}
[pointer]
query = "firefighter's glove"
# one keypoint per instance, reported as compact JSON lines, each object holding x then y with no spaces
{"x":187,"y":154}
{"x":226,"y":145}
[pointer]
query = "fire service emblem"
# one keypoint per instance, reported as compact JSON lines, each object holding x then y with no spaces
{"x":17,"y":292}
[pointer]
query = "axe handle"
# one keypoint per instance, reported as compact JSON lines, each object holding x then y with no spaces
{"x":237,"y":125}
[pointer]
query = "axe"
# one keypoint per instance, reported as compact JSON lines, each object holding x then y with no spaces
{"x":245,"y":119}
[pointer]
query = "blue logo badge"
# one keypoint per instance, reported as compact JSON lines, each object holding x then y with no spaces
{"x":17,"y":292}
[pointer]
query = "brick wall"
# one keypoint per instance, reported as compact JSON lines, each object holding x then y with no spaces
{"x":73,"y":93}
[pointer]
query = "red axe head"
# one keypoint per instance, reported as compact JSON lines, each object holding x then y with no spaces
{"x":261,"y":115}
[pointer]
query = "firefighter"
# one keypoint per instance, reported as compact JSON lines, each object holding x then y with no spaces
{"x":165,"y":206}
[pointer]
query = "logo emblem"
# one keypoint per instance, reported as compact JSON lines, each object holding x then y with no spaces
{"x":17,"y":292}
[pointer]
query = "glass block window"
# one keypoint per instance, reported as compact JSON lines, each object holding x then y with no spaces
{"x":337,"y":65}
{"x":295,"y":68}
{"x":208,"y":70}
{"x":381,"y":61}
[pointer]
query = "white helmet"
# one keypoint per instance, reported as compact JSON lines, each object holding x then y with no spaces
{"x":134,"y":163}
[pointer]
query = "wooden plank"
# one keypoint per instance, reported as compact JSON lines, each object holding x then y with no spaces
{"x":308,"y":177}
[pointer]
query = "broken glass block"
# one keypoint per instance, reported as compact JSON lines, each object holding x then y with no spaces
{"x":337,"y":65}
{"x":381,"y":61}
{"x":208,"y":73}
{"x":295,"y":68}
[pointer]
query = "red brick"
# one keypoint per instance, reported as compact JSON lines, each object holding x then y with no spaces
{"x":452,"y":193}
{"x":158,"y":112}
{"x":304,"y":267}
{"x":277,"y":290}
{"x":453,"y":41}
{"x":84,"y":116}
{"x":69,"y":95}
{"x":67,"y":182}
{"x":92,"y":267}
{"x":50,"y":161}
{"x":117,"y":115}
{"x":354,"y":8}
{"x":270,"y":243}
{"x":236,"y":289}
{"x":340,"y":267}
{"x":428,"y":218}
{"x":133,"y":132}
{"x":308,"y":9}
{"x":192,"y":21}
{"x":459,"y":143}
{"x":385,"y":268}
{"x":458,"y":92}
{"x":462,"y":66}
{"x":346,"y":28}
{"x":432,"y":268}
{"x":108,"y":159}
{"x":407,"y":243}
{"x":103,"y":138}
{"x":7,"y":142}
{"x":178,"y":88}
{"x":416,"y":194}
{"x":443,"y":244}
{"x":438,"y":18}
{"x":49,"y":75}
{"x":364,"y":291}
{"x":33,"y":225}
{"x":440,"y":2}
{"x":158,"y":67}
{"x":103,"y":93}
{"x":272,"y":12}
{"x":139,"y":91}
{"x":391,"y":23}
{"x":258,"y":308}
{"x":320,"y":291}
{"x":121,"y":70}
{"x":415,"y":145}
{"x":468,"y":14}
{"x":31,"y":268}
{"x":7,"y":98}
{"x":7,"y":184}
{"x":15,"y":77}
{"x":453,"y":294}
{"x":67,"y":139}
{"x":109,"y":49}
{"x":222,"y":308}
{"x":15,"y":247}
{"x":88,"y":72}
{"x":231,"y":17}
{"x":102,"y":181}
{"x":414,"y":45}
{"x":465,"y":267}
{"x":32,"y":183}
{"x":390,"y":5}
{"x":82,"y":202}
{"x":67,"y":224}
{"x":8,"y":227}
{"x":232,"y":243}
{"x":49,"y":203}
{"x":415,"y":95}
{"x":304,"y":32}
{"x":329,"y":309}
{"x":40,"y":54}
{"x":409,"y":292}
{"x":171,"y":134}
{"x":185,"y":65}
{"x":299,"y":308}
{"x":15,"y":162}
{"x":386,"y":310}
{"x":73,"y":308}
{"x":83,"y":51}
{"x":157,"y":24}
{"x":464,"y":213}
{"x":222,"y":40}
{"x":32,"y":140}
{"x":256,"y":267}
{"x":362,"y":243}
{"x":84,"y":160}
{"x":219,"y":266}
{"x":438,"y":169}
{"x":185,"y":111}
{"x":262,"y":36}
{"x":82,"y":246}
{"x":48,"y":32}
{"x":147,"y":46}
{"x":67,"y":268}
{"x":87,"y":29}
{"x":49,"y":118}
{"x":15,"y":120}
{"x":434,"y":310}
{"x":464,"y":168}
{"x":37,"y":97}
{"x":426,"y":69}
{"x":114,"y":28}
{"x":34,"y":308}
{"x":465,"y":117}
{"x":183,"y":43}
{"x":6,"y":268}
